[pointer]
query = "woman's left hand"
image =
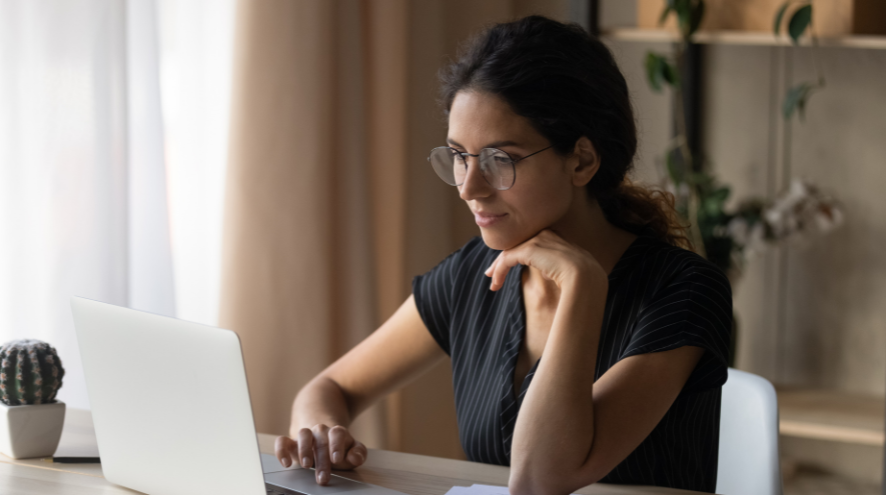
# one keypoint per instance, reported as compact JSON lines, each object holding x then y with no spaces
{"x":556,"y":259}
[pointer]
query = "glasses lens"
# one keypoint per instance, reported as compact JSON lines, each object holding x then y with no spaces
{"x":497,"y":168}
{"x":448,"y":164}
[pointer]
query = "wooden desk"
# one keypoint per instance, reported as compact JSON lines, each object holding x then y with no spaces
{"x":408,"y":473}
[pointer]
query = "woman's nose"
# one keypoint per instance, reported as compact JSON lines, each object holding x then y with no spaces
{"x":475,"y":185}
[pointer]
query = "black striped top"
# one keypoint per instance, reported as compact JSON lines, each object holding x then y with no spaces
{"x":660,"y":297}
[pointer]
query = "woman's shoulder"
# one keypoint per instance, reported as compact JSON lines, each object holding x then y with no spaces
{"x":671,"y":264}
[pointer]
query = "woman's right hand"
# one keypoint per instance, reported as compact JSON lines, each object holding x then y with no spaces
{"x":322,"y":447}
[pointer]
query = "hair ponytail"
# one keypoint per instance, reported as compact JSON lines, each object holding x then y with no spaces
{"x":635,"y":208}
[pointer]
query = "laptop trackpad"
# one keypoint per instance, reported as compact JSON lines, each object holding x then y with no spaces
{"x":302,"y":480}
{"x":270,"y":464}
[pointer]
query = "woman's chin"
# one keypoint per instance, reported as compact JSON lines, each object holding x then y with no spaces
{"x":499,"y":242}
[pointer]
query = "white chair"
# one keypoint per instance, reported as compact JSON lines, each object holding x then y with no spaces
{"x":748,"y":459}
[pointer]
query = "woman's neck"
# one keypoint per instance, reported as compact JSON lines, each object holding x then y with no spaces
{"x":586,"y":226}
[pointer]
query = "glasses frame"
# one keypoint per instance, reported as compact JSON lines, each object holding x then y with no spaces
{"x":464,"y":159}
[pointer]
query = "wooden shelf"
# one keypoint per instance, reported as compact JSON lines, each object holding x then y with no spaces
{"x":832,"y":415}
{"x":742,"y":38}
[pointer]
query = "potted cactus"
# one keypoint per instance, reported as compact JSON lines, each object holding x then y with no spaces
{"x":31,"y":419}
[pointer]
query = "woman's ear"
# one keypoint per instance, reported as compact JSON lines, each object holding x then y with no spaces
{"x":588,"y":162}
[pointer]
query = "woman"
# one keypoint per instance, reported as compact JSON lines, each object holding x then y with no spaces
{"x":579,"y":308}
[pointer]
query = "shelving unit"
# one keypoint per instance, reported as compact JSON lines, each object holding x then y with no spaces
{"x":742,"y":38}
{"x":830,"y":439}
{"x":832,"y":415}
{"x":813,"y":414}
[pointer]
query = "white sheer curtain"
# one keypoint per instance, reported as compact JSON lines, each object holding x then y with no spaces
{"x":84,"y":196}
{"x":196,"y":57}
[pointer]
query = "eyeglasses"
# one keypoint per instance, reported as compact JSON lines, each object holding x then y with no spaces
{"x":496,"y":166}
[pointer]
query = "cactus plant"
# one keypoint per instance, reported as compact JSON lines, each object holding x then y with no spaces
{"x":30,"y":372}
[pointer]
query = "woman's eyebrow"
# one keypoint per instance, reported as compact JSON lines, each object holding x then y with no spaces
{"x":496,"y":144}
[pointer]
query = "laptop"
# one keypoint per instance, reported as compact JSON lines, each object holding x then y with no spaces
{"x":172,"y":412}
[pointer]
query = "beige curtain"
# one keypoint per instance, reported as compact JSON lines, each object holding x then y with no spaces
{"x":331,"y":208}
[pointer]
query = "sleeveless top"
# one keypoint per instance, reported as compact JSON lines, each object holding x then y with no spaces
{"x":660,"y":297}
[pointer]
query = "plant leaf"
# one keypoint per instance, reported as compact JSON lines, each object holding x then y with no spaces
{"x":779,"y":16}
{"x":713,"y":201}
{"x":684,"y":17}
{"x":664,"y":13}
{"x":801,"y":106}
{"x":799,"y":22}
{"x":655,"y":70}
{"x":713,"y":207}
{"x":796,"y":99}
{"x":674,"y":170}
{"x":700,"y":180}
{"x":696,"y":16}
{"x":669,"y":73}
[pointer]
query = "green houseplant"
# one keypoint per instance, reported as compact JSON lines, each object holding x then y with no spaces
{"x":31,"y":419}
{"x":730,"y":238}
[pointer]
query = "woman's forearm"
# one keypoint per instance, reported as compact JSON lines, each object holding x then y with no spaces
{"x":554,"y":431}
{"x":321,"y":401}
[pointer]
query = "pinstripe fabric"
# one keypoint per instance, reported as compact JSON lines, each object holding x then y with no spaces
{"x":660,"y":297}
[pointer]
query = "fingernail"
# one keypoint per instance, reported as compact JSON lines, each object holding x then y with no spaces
{"x":305,"y":461}
{"x":322,"y":477}
{"x":336,"y":456}
{"x":285,"y":462}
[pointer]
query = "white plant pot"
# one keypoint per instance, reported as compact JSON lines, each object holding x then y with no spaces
{"x":31,"y":430}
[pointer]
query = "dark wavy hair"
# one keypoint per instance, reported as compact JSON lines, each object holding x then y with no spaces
{"x":566,"y":83}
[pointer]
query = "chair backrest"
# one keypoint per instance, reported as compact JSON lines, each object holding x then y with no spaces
{"x":748,"y":459}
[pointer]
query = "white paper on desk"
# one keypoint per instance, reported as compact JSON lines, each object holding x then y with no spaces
{"x":487,"y":490}
{"x":478,"y":490}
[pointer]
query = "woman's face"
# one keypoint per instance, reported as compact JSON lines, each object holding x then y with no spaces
{"x":543,"y":190}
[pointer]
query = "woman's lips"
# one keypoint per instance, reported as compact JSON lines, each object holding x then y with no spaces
{"x":487,"y":219}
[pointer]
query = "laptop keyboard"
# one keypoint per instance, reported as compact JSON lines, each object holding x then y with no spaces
{"x":279,"y":490}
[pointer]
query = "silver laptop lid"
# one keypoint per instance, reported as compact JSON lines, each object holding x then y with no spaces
{"x":169,"y":401}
